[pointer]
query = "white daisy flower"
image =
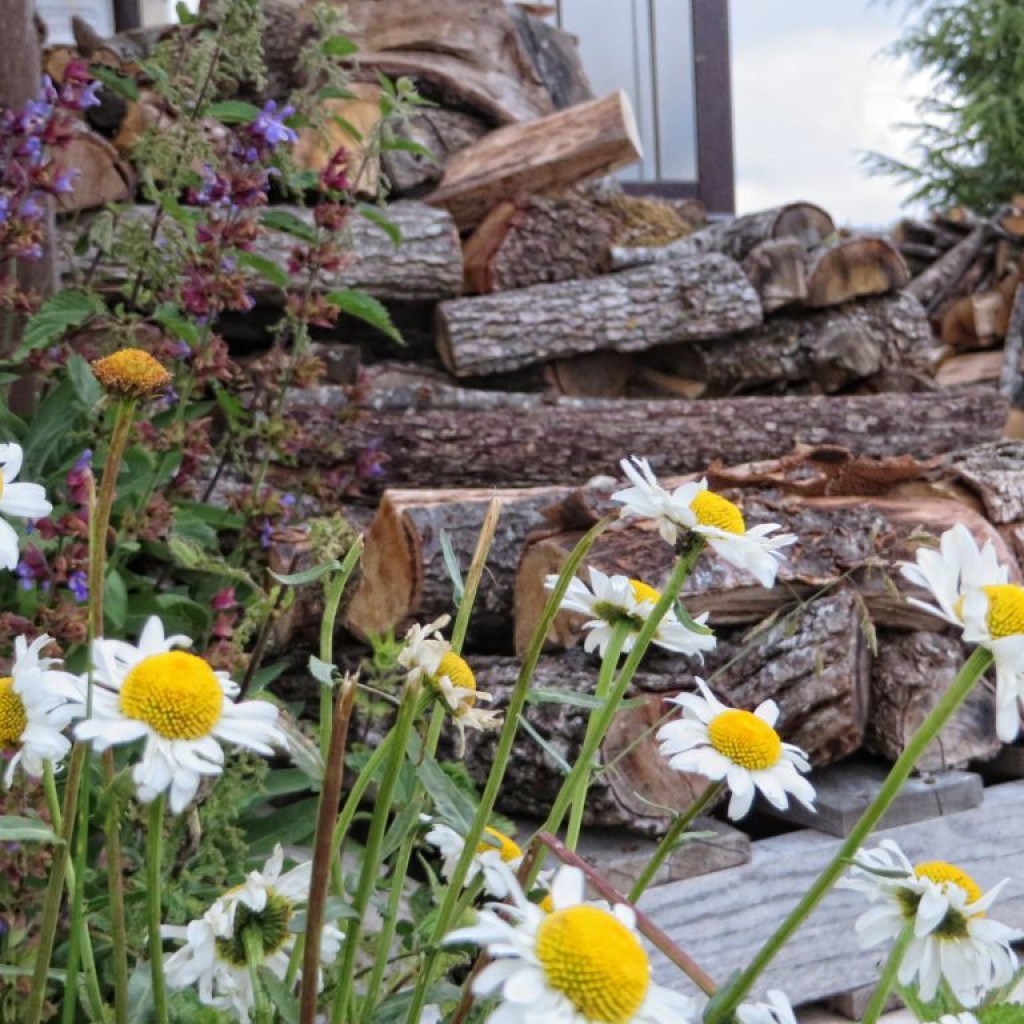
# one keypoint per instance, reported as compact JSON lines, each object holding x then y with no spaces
{"x":970,"y":590}
{"x":953,"y":938}
{"x":429,"y":658}
{"x":179,"y":705}
{"x":741,"y":747}
{"x":776,"y":1011}
{"x":618,"y":599}
{"x":693,"y":508}
{"x":27,"y":501}
{"x":579,"y":963}
{"x":213,"y":955}
{"x":37,"y":703}
{"x":498,"y":857}
{"x":957,"y":1018}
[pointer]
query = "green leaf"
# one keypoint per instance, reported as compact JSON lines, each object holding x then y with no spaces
{"x":269,"y":270}
{"x":233,"y":112}
{"x":307,"y":575}
{"x":87,"y":388}
{"x":115,"y":81}
{"x":281,"y":996}
{"x":338,"y":46}
{"x":115,"y":602}
{"x":409,"y":146}
{"x":452,"y":804}
{"x":282,"y":220}
{"x":60,"y":312}
{"x":395,"y":1009}
{"x":171,"y":320}
{"x":366,"y":308}
{"x":374,"y":216}
{"x":451,"y":564}
{"x":14,"y":829}
{"x":6,"y":971}
{"x":577,"y":700}
{"x":322,"y":671}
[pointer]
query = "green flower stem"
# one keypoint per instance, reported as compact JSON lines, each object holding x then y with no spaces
{"x":330,"y":797}
{"x":52,"y":800}
{"x":681,"y":570}
{"x":115,"y":886}
{"x":671,"y":837}
{"x":732,"y":994}
{"x":888,"y":977}
{"x":370,"y":866}
{"x":78,"y":924}
{"x":154,"y":887}
{"x":609,"y":663}
{"x":503,"y":751}
{"x":475,"y":574}
{"x":252,"y":941}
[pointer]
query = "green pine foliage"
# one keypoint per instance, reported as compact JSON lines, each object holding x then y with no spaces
{"x":969,"y":145}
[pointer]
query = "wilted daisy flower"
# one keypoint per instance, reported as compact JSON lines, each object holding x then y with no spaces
{"x":953,"y":939}
{"x":131,"y":373}
{"x":971,"y":591}
{"x":693,"y":508}
{"x":497,"y":856}
{"x":579,"y":963}
{"x":37,"y":703}
{"x":27,"y":501}
{"x":429,"y":658}
{"x":618,"y":599}
{"x":213,"y":955}
{"x":179,"y":705}
{"x":776,"y":1011}
{"x":741,"y":747}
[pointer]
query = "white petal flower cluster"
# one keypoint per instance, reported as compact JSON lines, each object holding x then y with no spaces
{"x":27,"y":501}
{"x":498,"y":858}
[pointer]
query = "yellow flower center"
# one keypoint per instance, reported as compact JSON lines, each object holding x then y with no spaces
{"x":13,"y":719}
{"x":508,"y":848}
{"x":131,"y":373}
{"x":745,"y":739}
{"x":1005,"y":609}
{"x":595,"y":961}
{"x":642,"y":592}
{"x":939,"y":872}
{"x":460,"y":674}
{"x":713,"y":510}
{"x":176,"y":694}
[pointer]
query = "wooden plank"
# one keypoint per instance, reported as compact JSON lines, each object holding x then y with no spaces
{"x":723,"y":919}
{"x":845,"y":790}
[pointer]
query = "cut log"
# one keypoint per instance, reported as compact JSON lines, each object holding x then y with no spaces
{"x":555,"y":57}
{"x":403,"y":570}
{"x":594,"y":375}
{"x":427,"y":266}
{"x":808,"y":224}
{"x":103,"y":177}
{"x":441,"y":132}
{"x":854,"y":268}
{"x":548,"y":154}
{"x":970,"y":368}
{"x":911,"y":672}
{"x":853,"y":538}
{"x":567,"y":440}
{"x":777,"y":270}
{"x":688,"y":299}
{"x":931,"y":287}
{"x":886,"y":339}
{"x":975,"y":321}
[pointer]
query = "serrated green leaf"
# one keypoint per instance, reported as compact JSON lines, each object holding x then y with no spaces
{"x":338,"y":46}
{"x":270,"y":270}
{"x":290,"y":224}
{"x":366,"y":308}
{"x":115,"y":81}
{"x":15,"y":829}
{"x":60,"y":312}
{"x":374,"y":216}
{"x":233,"y":112}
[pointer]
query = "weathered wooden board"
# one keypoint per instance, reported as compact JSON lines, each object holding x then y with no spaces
{"x":723,"y":919}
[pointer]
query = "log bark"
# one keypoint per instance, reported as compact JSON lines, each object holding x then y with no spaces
{"x":911,"y":672}
{"x":931,"y":287}
{"x":995,"y":472}
{"x":103,"y":176}
{"x":427,"y":266}
{"x":851,"y":538}
{"x":854,"y":268}
{"x":545,"y":155}
{"x":688,"y":299}
{"x":808,"y":224}
{"x":886,"y":340}
{"x":777,"y":270}
{"x":442,"y":132}
{"x":556,"y":59}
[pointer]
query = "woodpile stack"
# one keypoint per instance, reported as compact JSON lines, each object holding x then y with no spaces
{"x":557,"y":325}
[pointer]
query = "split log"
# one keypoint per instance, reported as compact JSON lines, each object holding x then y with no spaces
{"x":688,"y":299}
{"x":975,"y":321}
{"x":886,"y":339}
{"x":403,"y":571}
{"x":808,"y":224}
{"x":103,"y":177}
{"x":427,"y":266}
{"x":556,"y":59}
{"x":564,"y":440}
{"x":931,"y":287}
{"x":544,"y":155}
{"x":777,"y":270}
{"x":854,"y":268}
{"x":853,"y":538}
{"x":911,"y":672}
{"x":439,"y":131}
{"x":970,"y":368}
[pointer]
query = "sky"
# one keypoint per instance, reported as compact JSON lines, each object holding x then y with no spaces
{"x":810,"y":94}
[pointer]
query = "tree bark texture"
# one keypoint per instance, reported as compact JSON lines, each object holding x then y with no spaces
{"x":544,"y":155}
{"x":911,"y":672}
{"x":777,"y":270}
{"x":995,"y":472}
{"x":442,"y":132}
{"x":689,"y":299}
{"x":935,"y":283}
{"x":884,"y":340}
{"x":555,"y":57}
